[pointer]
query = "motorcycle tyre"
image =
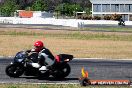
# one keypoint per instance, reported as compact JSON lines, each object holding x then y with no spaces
{"x":43,"y":75}
{"x":14,"y":67}
{"x":59,"y":73}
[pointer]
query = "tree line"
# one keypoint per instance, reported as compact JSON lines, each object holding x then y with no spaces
{"x":63,"y":7}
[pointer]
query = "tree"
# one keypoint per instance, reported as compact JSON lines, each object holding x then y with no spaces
{"x":24,"y":4}
{"x":39,"y":5}
{"x":68,"y":9}
{"x":66,"y":1}
{"x":8,"y":8}
{"x":65,"y":7}
{"x":88,"y":10}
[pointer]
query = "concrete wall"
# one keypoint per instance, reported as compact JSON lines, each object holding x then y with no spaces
{"x":62,"y":22}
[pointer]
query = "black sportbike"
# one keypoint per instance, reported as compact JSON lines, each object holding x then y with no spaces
{"x":22,"y":65}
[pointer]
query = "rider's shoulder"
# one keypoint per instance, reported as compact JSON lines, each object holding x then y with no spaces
{"x":44,"y":49}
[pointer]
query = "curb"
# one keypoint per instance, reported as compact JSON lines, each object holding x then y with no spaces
{"x":108,"y":59}
{"x":1,"y":57}
{"x":61,"y":83}
{"x":102,"y":59}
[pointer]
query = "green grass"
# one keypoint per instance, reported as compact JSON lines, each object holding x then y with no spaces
{"x":100,"y":36}
{"x":113,"y":29}
{"x":74,"y":35}
{"x":58,"y":86}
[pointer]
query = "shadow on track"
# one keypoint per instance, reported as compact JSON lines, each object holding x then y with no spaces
{"x":49,"y":78}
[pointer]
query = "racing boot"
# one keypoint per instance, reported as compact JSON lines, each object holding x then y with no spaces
{"x":43,"y":68}
{"x":35,"y":65}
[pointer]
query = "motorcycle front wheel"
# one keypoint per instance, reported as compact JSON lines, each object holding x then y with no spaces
{"x":62,"y":72}
{"x":14,"y":70}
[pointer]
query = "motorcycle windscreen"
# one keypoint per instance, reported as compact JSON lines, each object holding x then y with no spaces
{"x":20,"y":56}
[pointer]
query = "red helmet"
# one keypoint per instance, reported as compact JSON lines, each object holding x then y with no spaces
{"x":38,"y":45}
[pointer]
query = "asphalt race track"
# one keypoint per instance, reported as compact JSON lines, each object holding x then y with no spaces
{"x":98,"y":69}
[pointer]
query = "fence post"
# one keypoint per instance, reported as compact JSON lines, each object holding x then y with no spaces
{"x":80,"y":25}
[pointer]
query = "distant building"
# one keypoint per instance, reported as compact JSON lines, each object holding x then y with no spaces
{"x":108,"y":7}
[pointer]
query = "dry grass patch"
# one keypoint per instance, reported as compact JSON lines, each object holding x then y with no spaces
{"x":80,"y":44}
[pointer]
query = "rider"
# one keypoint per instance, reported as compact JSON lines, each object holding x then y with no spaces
{"x":45,"y":57}
{"x":121,"y":21}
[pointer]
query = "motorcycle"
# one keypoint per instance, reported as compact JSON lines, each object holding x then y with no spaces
{"x":23,"y":65}
{"x":121,"y":23}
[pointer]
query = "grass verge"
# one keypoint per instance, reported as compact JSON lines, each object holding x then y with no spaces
{"x":84,"y":44}
{"x":56,"y":86}
{"x":112,"y":29}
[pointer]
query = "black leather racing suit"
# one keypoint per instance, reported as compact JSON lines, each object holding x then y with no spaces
{"x":46,"y":58}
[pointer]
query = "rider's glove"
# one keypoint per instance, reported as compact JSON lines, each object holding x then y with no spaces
{"x":28,"y":51}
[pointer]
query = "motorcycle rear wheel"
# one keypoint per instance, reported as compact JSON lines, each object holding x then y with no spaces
{"x":14,"y":70}
{"x":44,"y":75}
{"x":62,"y":72}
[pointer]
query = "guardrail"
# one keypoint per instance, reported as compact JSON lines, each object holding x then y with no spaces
{"x":63,"y":22}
